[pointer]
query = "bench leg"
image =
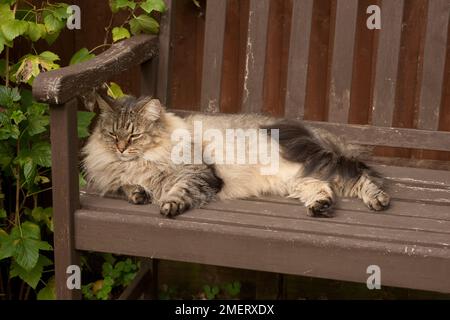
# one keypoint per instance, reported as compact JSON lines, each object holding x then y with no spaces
{"x":64,"y":144}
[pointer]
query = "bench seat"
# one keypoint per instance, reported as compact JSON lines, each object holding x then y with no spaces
{"x":410,"y":242}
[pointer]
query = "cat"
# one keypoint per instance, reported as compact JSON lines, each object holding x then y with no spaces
{"x":131,"y":152}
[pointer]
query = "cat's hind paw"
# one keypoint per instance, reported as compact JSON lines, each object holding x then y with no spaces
{"x":173,"y":208}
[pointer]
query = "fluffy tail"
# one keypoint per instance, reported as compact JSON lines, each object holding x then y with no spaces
{"x":322,"y":155}
{"x":326,"y":158}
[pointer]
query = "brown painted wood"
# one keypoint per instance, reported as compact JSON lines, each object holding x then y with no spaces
{"x":187,"y":55}
{"x":433,"y":65}
{"x":387,"y":63}
{"x":236,"y":27}
{"x":379,"y":136}
{"x":298,"y":59}
{"x":64,"y":143}
{"x":252,"y":99}
{"x":342,"y":60}
{"x":149,"y":74}
{"x":361,"y":95}
{"x":59,"y":86}
{"x":263,"y":239}
{"x":414,"y":231}
{"x":387,"y":136}
{"x":276,"y":66}
{"x":318,"y":66}
{"x":213,"y":55}
{"x":409,"y":71}
{"x":164,"y":56}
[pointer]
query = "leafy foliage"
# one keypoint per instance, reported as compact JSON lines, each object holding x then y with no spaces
{"x":115,"y":274}
{"x":25,"y":154}
{"x":137,"y":23}
{"x":26,"y":222}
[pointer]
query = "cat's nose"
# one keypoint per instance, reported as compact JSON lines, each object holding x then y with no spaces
{"x":121,"y":146}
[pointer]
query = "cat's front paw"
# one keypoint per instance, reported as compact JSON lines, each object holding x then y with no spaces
{"x":378,"y":202}
{"x":139,"y":196}
{"x":173,"y":208}
{"x":321,"y":208}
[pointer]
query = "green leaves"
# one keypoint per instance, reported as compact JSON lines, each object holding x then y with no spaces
{"x":6,"y":16}
{"x":38,"y":119}
{"x":11,"y":29}
{"x":211,"y":292}
{"x":144,"y":23}
{"x":55,"y":17}
{"x":48,"y":292}
{"x":36,"y":31}
{"x":81,"y":56}
{"x":119,"y":33}
{"x":114,"y":90}
{"x":8,"y":96}
{"x":115,"y":273}
{"x":84,"y":120}
{"x":23,"y":244}
{"x":32,"y":276}
{"x":6,"y":13}
{"x":233,"y":288}
{"x":18,"y":116}
{"x":43,"y":216}
{"x":31,"y":65}
{"x":41,"y":154}
{"x":116,"y":5}
{"x":153,"y":5}
{"x":52,"y":22}
{"x":7,"y":248}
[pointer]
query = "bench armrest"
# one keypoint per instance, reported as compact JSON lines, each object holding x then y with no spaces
{"x":59,"y":86}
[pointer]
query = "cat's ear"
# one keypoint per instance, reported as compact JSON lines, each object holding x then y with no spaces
{"x":152,"y":109}
{"x":104,"y":103}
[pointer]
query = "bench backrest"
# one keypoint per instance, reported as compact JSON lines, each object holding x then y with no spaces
{"x":386,"y":67}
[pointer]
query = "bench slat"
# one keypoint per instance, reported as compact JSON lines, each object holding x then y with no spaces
{"x":282,"y":208}
{"x":433,"y":64}
{"x":378,"y":136}
{"x":387,"y":63}
{"x":213,"y":55}
{"x":244,"y":246}
{"x":400,"y":207}
{"x":387,"y":136}
{"x":342,"y":60}
{"x":298,"y":59}
{"x":255,"y":56}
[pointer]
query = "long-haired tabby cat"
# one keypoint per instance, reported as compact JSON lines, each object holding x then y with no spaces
{"x":130,"y":149}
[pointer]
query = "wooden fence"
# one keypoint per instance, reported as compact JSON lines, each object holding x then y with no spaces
{"x":411,"y":87}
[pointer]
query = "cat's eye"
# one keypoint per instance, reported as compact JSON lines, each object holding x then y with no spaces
{"x":135,"y":136}
{"x":112,"y":135}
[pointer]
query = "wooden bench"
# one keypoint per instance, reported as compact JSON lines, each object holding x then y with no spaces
{"x":410,"y":242}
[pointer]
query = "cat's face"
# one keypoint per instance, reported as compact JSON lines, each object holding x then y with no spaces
{"x":129,"y":126}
